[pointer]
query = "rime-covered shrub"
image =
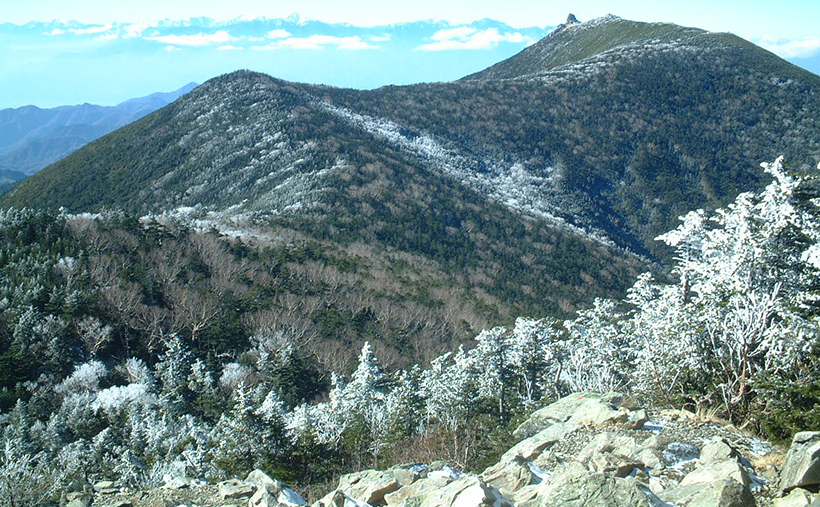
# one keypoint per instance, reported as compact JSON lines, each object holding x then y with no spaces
{"x":85,"y":379}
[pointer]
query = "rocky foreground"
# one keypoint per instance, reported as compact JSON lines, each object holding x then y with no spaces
{"x":583,"y":450}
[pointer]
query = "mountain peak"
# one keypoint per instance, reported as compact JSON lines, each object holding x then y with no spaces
{"x":573,"y":42}
{"x":572,"y":21}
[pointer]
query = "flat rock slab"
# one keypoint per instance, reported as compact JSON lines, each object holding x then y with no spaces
{"x":585,"y":407}
{"x":509,"y":476}
{"x":713,"y":472}
{"x":802,"y":466}
{"x":260,"y":479}
{"x":179,"y":483}
{"x":369,"y":486}
{"x":718,"y":449}
{"x":416,"y":490}
{"x":723,"y":493}
{"x":532,"y":447}
{"x":106,"y":488}
{"x":614,"y":465}
{"x":335,"y":498}
{"x":590,"y":490}
{"x":467,"y":491}
{"x":263,"y":498}
{"x":608,"y":442}
{"x":798,"y":497}
{"x":235,"y":488}
{"x":678,"y":453}
{"x":405,"y":476}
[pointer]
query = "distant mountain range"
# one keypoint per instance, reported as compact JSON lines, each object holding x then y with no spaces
{"x":542,"y":180}
{"x":32,"y":138}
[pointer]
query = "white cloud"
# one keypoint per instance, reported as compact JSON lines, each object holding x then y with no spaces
{"x":797,"y":48}
{"x":172,"y":48}
{"x":228,"y":47}
{"x":461,"y":33}
{"x":278,"y":34}
{"x":56,"y":31}
{"x":470,"y":38}
{"x":200,"y":39}
{"x":91,"y":30}
{"x":318,"y":42}
{"x":107,"y":36}
{"x":379,"y":38}
{"x":135,"y":30}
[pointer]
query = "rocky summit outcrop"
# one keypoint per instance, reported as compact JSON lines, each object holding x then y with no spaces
{"x":594,"y":450}
{"x":590,"y":450}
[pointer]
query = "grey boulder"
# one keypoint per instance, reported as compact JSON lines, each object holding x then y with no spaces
{"x":589,"y":489}
{"x":797,"y":497}
{"x":580,"y":408}
{"x":369,"y":486}
{"x":723,"y":493}
{"x":802,"y":466}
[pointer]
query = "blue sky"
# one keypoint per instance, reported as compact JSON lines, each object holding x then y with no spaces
{"x":120,"y":50}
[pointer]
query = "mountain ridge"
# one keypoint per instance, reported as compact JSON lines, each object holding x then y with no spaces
{"x":32,"y":137}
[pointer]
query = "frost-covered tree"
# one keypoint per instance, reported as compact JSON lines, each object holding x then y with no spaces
{"x":26,"y":479}
{"x":450,"y":388}
{"x":114,"y":401}
{"x":272,"y":351}
{"x":135,"y":371}
{"x":533,"y":346}
{"x":205,"y":395}
{"x":86,"y":378}
{"x":496,"y":374}
{"x":748,"y":282}
{"x":595,"y":355}
{"x":173,"y":369}
{"x":233,"y":376}
{"x":252,"y":434}
{"x":17,"y":427}
{"x":93,"y":335}
{"x":404,"y":404}
{"x":356,"y":412}
{"x":25,"y":334}
{"x":323,"y":422}
{"x":365,"y":399}
{"x":278,"y":363}
{"x":663,"y":339}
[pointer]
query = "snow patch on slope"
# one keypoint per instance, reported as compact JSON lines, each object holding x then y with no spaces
{"x":507,"y":184}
